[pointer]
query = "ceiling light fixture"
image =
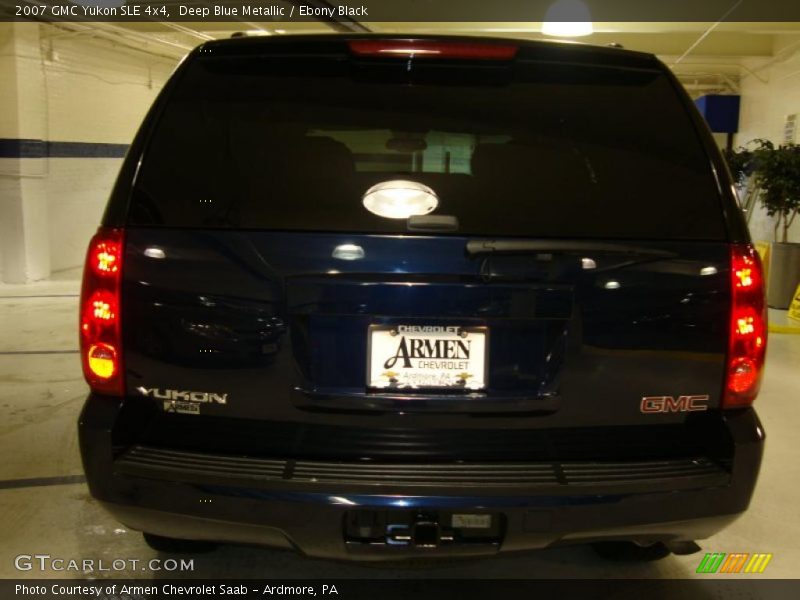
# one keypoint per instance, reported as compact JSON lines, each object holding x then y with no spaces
{"x":568,"y":18}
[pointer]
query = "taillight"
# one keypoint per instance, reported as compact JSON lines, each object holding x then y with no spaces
{"x":748,"y":328}
{"x":432,"y":49}
{"x":100,"y":331}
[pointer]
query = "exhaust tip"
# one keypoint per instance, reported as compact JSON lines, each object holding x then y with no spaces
{"x":683,"y":548}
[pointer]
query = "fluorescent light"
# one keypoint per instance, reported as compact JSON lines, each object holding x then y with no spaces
{"x":568,"y":18}
{"x":400,"y":199}
{"x":567,"y":28}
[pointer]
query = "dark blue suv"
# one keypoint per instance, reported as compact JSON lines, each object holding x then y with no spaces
{"x":378,"y":297}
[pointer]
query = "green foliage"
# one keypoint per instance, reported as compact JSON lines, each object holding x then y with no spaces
{"x":776,"y":177}
{"x":777,"y":174}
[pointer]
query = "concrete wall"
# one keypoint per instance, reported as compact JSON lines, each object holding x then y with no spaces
{"x":95,"y":93}
{"x":23,"y":204}
{"x":768,"y":95}
{"x":85,"y":90}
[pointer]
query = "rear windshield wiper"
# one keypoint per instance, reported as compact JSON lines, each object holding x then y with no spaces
{"x":509,"y":246}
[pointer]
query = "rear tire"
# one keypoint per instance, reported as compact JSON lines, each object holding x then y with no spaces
{"x":630,"y":552}
{"x":170,"y":545}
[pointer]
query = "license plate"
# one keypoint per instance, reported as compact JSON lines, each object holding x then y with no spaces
{"x":427,"y":356}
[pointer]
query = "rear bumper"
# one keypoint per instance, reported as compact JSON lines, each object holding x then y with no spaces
{"x":308,"y":505}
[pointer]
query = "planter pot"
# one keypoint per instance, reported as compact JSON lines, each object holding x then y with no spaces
{"x":784,"y":274}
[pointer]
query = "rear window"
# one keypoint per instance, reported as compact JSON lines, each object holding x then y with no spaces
{"x":527,"y":149}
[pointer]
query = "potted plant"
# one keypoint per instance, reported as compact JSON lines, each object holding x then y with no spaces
{"x":776,"y":174}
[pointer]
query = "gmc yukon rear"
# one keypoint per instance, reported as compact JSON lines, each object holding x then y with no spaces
{"x":376,"y":297}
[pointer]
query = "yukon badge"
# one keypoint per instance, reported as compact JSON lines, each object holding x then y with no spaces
{"x":183,"y":401}
{"x":668,"y":404}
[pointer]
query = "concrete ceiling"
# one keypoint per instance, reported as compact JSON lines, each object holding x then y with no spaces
{"x":707,"y":57}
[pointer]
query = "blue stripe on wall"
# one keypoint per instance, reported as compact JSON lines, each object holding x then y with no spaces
{"x":30,"y":148}
{"x":18,"y":148}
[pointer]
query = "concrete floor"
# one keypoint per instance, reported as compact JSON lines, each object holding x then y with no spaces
{"x":41,"y":393}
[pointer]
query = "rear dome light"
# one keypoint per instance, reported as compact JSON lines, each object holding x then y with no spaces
{"x":748,"y":328}
{"x":400,"y":199}
{"x":100,"y":329}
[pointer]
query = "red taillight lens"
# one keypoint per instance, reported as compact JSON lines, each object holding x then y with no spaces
{"x":432,"y":49}
{"x":100,"y":309}
{"x":105,"y":258}
{"x":100,"y":332}
{"x":748,"y":328}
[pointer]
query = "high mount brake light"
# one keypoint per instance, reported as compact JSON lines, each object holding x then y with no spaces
{"x":432,"y":49}
{"x":100,"y":331}
{"x":748,"y":328}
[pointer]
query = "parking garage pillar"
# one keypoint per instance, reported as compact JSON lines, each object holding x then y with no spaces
{"x":24,"y":234}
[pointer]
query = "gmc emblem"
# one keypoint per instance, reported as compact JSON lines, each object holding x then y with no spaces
{"x":668,"y":404}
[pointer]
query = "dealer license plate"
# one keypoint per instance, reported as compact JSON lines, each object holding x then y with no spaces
{"x":427,"y":356}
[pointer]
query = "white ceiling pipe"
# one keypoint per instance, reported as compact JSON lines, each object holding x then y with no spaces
{"x":143,"y":37}
{"x":124,"y":42}
{"x":187,"y":30}
{"x":706,"y":33}
{"x":740,"y":67}
{"x":119,"y":31}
